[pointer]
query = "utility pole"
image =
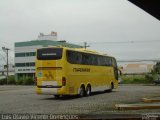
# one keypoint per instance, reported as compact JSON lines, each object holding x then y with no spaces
{"x":6,"y":51}
{"x":85,"y":45}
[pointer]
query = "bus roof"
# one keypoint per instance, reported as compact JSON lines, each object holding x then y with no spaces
{"x":87,"y":51}
{"x":79,"y":49}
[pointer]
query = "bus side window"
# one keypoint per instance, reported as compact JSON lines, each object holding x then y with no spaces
{"x":69,"y":57}
{"x":94,"y":60}
{"x":101,"y":61}
{"x":85,"y":59}
{"x":108,"y":61}
{"x":78,"y":58}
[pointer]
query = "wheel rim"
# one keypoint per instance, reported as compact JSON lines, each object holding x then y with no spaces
{"x":88,"y":92}
{"x":111,"y":87}
{"x":81,"y":92}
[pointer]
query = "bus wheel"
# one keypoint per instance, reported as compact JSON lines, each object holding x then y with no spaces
{"x":88,"y":90}
{"x":111,"y":87}
{"x":56,"y":96}
{"x":82,"y":91}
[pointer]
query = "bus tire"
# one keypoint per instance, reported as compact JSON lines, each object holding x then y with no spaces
{"x":82,"y":91}
{"x":111,"y":87}
{"x":56,"y":96}
{"x":88,"y":90}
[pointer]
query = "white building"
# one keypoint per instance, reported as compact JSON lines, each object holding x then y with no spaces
{"x":3,"y":71}
{"x":52,"y":36}
{"x":136,"y":68}
{"x":25,"y":54}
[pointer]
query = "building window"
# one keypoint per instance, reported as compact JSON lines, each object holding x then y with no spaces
{"x":31,"y":64}
{"x":32,"y":53}
{"x":27,"y":64}
{"x":19,"y":54}
{"x":27,"y":54}
{"x":20,"y":64}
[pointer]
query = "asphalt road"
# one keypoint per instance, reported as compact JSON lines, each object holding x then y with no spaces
{"x":23,"y":99}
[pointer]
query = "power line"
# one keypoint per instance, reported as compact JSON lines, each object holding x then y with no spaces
{"x":140,"y":60}
{"x":124,"y":42}
{"x":120,"y":42}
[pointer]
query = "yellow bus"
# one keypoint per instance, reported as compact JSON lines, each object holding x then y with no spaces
{"x":70,"y":71}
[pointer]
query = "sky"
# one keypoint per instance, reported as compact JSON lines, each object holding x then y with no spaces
{"x":114,"y":27}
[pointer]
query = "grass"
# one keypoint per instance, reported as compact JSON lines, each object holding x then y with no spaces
{"x":137,"y":79}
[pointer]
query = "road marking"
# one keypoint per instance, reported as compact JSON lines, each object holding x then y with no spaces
{"x":137,"y":106}
{"x":147,"y":100}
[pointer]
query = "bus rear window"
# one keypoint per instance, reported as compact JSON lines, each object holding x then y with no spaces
{"x":49,"y":53}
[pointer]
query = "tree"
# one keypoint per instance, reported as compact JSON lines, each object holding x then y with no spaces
{"x":157,"y":68}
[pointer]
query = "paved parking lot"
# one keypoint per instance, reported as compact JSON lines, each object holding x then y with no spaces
{"x":23,"y":99}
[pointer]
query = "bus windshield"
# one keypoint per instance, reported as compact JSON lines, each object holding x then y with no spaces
{"x":49,"y":53}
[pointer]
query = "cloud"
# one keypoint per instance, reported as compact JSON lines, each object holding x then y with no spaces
{"x":81,"y":20}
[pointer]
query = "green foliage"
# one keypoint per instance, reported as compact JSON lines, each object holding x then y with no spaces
{"x":138,"y":79}
{"x":11,"y":80}
{"x":19,"y":81}
{"x":156,"y":69}
{"x":25,"y":81}
{"x":149,"y":78}
{"x":3,"y":81}
{"x":28,"y":81}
